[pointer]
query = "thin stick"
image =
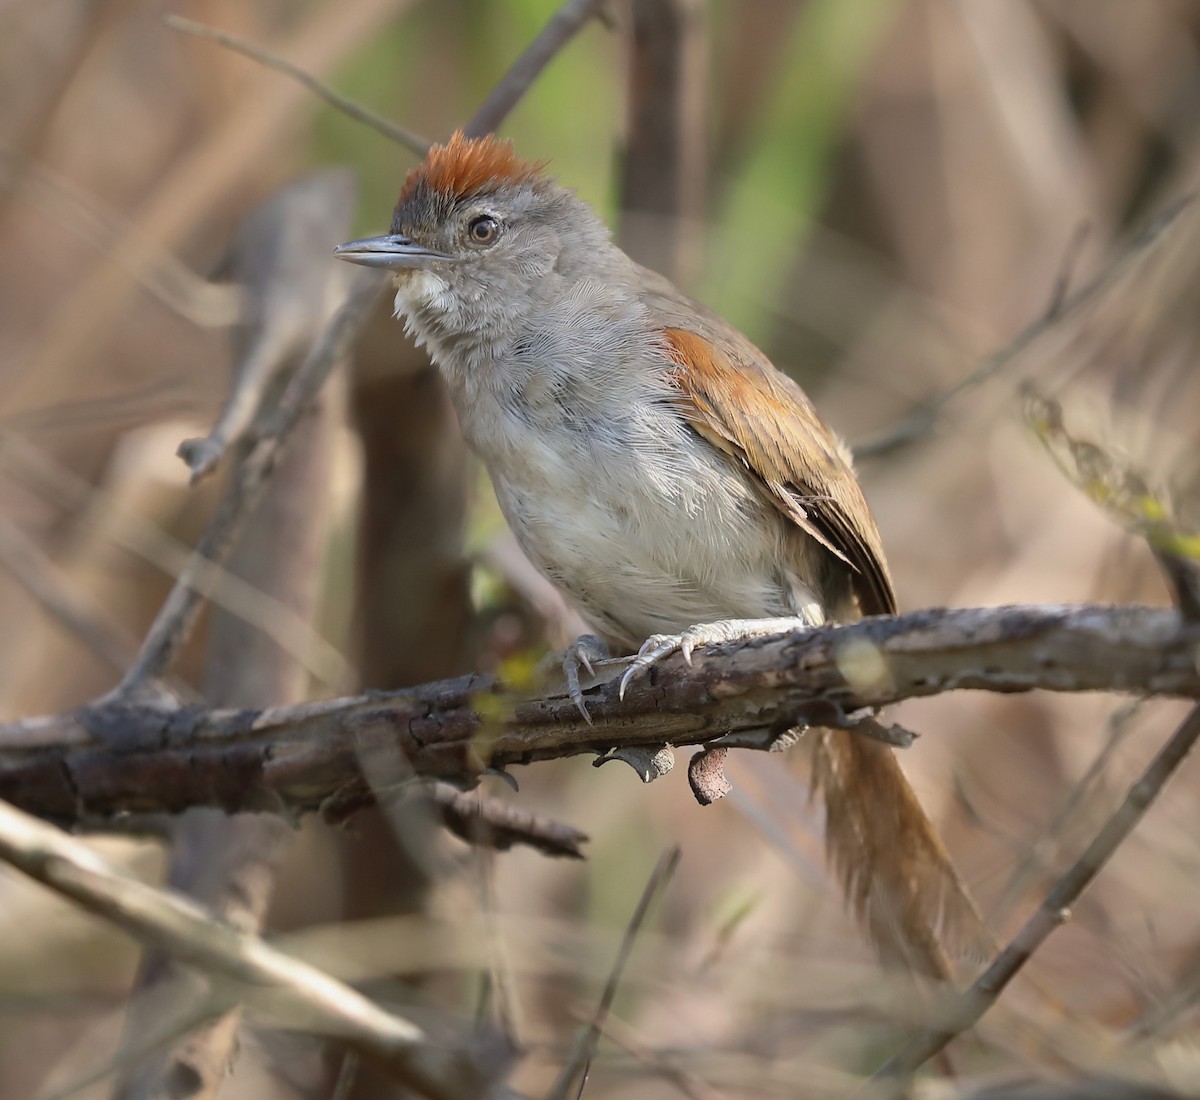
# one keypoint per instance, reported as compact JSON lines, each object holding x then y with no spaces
{"x":490,"y":823}
{"x":335,"y":99}
{"x":181,"y":608}
{"x":1055,"y":911}
{"x":585,"y":1044}
{"x":271,"y":979}
{"x":564,"y":24}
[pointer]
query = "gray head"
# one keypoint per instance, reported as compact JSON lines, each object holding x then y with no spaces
{"x":478,"y":237}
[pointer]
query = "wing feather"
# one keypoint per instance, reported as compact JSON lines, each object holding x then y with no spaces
{"x":742,"y":405}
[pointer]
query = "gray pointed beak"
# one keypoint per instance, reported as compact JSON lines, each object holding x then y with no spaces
{"x":392,"y":251}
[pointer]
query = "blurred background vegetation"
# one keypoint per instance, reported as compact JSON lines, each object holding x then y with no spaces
{"x":880,"y":192}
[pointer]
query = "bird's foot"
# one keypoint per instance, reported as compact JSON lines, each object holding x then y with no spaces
{"x":581,"y":654}
{"x":658,"y":646}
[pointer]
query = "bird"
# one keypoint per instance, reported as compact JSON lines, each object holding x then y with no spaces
{"x":664,"y":475}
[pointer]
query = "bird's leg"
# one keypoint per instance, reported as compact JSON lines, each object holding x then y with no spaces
{"x":658,"y":646}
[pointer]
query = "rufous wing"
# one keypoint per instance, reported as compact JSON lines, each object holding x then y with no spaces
{"x":742,"y":405}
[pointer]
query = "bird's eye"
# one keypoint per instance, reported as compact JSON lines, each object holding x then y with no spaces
{"x":483,"y":230}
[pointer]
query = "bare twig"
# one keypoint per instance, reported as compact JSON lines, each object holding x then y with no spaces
{"x":210,"y":173}
{"x":494,"y":824}
{"x":584,"y":1046}
{"x":308,"y":757}
{"x":36,"y":128}
{"x":335,"y":99}
{"x":924,"y":418}
{"x":272,"y":981}
{"x":181,"y":607}
{"x":564,"y":24}
{"x":280,"y":257}
{"x":1055,"y":910}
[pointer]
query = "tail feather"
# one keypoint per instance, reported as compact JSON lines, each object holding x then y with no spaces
{"x":894,"y":869}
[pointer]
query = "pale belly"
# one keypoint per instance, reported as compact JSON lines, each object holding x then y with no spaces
{"x":641,"y":556}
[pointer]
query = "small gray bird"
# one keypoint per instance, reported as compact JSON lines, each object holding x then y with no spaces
{"x":657,"y":468}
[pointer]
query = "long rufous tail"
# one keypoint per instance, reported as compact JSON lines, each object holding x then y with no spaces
{"x":893,"y":867}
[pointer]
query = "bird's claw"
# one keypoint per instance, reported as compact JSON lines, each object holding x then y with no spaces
{"x":580,"y":654}
{"x":658,"y":646}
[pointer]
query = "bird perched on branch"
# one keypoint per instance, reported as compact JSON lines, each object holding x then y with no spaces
{"x":657,"y":468}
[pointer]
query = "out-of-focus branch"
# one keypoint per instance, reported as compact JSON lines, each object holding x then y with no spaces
{"x":1055,"y":910}
{"x":662,"y":173}
{"x":228,"y":863}
{"x":156,"y":269}
{"x":335,"y":99}
{"x":564,"y":24}
{"x":287,"y":988}
{"x":134,"y":534}
{"x":307,"y":757}
{"x":1084,"y":1088}
{"x":280,"y":260}
{"x":181,"y":607}
{"x":584,"y":1047}
{"x":209,"y":173}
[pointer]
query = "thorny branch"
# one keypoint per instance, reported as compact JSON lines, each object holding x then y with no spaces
{"x":120,"y":756}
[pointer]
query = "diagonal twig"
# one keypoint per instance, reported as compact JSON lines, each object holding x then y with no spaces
{"x":272,"y":980}
{"x":33,"y":570}
{"x":967,"y":1009}
{"x":347,"y":106}
{"x":580,"y":1058}
{"x":563,"y":25}
{"x":142,"y":538}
